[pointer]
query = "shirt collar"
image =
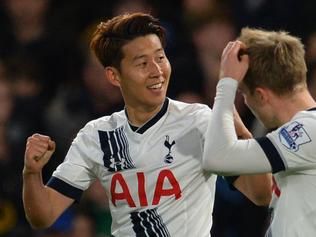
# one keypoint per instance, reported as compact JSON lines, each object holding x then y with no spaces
{"x":152,"y":121}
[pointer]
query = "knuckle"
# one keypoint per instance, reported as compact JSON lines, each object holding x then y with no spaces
{"x":36,"y":135}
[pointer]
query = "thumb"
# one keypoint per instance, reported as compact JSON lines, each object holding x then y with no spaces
{"x":244,"y":58}
{"x":51,"y":146}
{"x":49,"y":152}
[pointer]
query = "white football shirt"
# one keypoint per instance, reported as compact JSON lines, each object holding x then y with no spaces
{"x":294,"y":188}
{"x":153,"y":176}
{"x":289,"y":152}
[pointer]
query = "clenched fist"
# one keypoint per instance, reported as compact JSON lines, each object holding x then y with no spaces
{"x":39,"y":149}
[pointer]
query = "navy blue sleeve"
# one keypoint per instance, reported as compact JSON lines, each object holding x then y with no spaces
{"x":230,"y":181}
{"x":272,"y":154}
{"x":65,"y":188}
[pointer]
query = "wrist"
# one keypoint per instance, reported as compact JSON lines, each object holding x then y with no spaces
{"x":28,"y":172}
{"x":228,"y":83}
{"x":229,"y":80}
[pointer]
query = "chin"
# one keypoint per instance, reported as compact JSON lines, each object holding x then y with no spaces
{"x":156,"y":101}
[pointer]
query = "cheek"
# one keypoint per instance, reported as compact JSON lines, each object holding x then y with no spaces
{"x":166,"y":68}
{"x":245,"y":99}
{"x":133,"y":78}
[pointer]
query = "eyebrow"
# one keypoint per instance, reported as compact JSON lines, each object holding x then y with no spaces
{"x":144,"y":55}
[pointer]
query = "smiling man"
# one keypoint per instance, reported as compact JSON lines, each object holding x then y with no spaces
{"x":148,"y":156}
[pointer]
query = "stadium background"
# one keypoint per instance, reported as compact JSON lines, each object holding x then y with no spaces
{"x":50,"y":84}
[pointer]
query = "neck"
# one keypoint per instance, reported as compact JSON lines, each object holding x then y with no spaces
{"x":300,"y":101}
{"x":139,"y":116}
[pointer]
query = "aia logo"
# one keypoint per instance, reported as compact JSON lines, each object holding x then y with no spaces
{"x":166,"y":185}
{"x":169,"y":157}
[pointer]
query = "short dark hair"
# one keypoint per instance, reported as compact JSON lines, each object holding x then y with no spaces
{"x":110,"y":36}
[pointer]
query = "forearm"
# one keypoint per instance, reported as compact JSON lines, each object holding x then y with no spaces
{"x":224,"y":153}
{"x":257,"y":188}
{"x":36,"y":200}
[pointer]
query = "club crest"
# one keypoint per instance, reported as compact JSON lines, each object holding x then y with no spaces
{"x":169,"y":157}
{"x":294,"y":135}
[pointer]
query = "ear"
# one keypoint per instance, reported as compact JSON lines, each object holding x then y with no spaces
{"x":262,"y":95}
{"x":113,"y":76}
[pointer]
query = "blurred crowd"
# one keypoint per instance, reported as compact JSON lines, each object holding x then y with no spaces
{"x":51,"y":84}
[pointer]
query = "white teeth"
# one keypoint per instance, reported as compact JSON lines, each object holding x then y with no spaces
{"x":156,"y":86}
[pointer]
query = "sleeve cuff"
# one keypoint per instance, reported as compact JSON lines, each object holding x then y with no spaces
{"x":228,"y":81}
{"x":65,"y":188}
{"x":272,"y":154}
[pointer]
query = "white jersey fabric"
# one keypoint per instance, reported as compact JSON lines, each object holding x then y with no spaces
{"x":153,"y":176}
{"x":289,"y":152}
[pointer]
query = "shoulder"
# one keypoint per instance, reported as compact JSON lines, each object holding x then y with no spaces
{"x":302,"y":122}
{"x":195,"y":116}
{"x":105,"y":123}
{"x":294,"y":141}
{"x":297,"y":133}
{"x":188,"y":109}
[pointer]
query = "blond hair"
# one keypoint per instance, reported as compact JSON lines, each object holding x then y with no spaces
{"x":277,"y":60}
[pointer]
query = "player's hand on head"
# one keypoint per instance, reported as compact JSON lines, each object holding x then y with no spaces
{"x":234,"y":61}
{"x":39,"y":149}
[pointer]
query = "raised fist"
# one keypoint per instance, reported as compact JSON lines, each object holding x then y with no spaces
{"x":39,"y":149}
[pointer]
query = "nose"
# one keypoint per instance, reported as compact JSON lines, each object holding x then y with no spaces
{"x":155,"y":69}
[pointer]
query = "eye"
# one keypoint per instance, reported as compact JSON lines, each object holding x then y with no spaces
{"x":142,"y":64}
{"x":160,"y":58}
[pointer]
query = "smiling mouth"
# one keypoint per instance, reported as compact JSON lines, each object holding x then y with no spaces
{"x":155,"y":86}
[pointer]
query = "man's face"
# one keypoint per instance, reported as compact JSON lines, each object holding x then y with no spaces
{"x":258,"y":107}
{"x":145,"y":72}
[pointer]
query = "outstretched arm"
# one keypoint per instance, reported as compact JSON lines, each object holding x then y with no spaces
{"x":42,"y":205}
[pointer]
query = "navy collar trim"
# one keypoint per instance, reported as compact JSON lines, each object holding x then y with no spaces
{"x":151,"y":122}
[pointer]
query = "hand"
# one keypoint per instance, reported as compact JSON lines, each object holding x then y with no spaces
{"x":233,"y":64}
{"x":241,"y":130}
{"x":39,"y":149}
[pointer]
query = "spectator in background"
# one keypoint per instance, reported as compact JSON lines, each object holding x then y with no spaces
{"x":312,"y":82}
{"x":83,"y":226}
{"x":8,"y":217}
{"x":311,"y":63}
{"x":30,"y":34}
{"x":209,"y":39}
{"x":130,"y":6}
{"x":27,"y":89}
{"x":6,"y":105}
{"x":12,"y":221}
{"x":94,"y":205}
{"x":77,"y":103}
